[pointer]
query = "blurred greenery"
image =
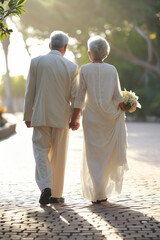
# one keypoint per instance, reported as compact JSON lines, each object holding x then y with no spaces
{"x":2,"y":110}
{"x":18,"y":85}
{"x":131,"y":27}
{"x":7,"y":8}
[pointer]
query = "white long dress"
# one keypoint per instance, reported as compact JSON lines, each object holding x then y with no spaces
{"x":104,"y":153}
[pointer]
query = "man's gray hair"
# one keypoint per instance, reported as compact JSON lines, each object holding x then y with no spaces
{"x":99,"y":47}
{"x":58,"y":40}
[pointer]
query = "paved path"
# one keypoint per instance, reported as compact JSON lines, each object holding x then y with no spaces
{"x":135,"y":214}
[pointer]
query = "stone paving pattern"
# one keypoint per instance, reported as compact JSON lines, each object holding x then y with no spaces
{"x":132,"y":215}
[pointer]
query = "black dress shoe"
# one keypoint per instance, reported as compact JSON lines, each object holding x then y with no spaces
{"x":56,"y":200}
{"x":45,"y":195}
{"x":104,"y":200}
{"x":99,"y":201}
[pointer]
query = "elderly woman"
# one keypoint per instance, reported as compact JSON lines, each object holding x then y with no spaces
{"x":100,"y":97}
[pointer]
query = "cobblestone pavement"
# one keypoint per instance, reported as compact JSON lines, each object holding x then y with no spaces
{"x":134,"y":214}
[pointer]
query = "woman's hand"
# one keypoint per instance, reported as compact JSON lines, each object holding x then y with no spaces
{"x":133,"y":108}
{"x":122,"y":106}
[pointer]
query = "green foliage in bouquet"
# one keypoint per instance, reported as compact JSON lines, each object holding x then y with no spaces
{"x":128,"y":106}
{"x":130,"y":101}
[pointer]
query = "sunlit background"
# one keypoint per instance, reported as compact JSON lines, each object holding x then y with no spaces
{"x":133,"y":31}
{"x":131,"y":27}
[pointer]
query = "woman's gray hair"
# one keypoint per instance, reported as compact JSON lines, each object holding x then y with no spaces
{"x":58,"y":40}
{"x":99,"y":47}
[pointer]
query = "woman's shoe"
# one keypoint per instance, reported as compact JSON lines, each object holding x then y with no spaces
{"x":99,"y":201}
{"x":104,"y":200}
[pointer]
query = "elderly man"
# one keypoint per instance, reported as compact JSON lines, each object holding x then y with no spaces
{"x":50,"y":93}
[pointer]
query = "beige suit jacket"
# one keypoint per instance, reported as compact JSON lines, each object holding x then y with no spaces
{"x":50,"y":91}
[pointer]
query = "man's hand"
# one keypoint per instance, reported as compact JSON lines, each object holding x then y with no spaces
{"x":74,"y":126}
{"x":28,"y":124}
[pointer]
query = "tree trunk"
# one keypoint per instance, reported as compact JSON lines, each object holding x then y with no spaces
{"x":147,"y":65}
{"x":8,"y":91}
{"x":137,"y":61}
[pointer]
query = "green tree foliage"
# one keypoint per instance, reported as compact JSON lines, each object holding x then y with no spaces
{"x":18,"y":85}
{"x":131,"y":27}
{"x":91,"y":15}
{"x":7,"y":8}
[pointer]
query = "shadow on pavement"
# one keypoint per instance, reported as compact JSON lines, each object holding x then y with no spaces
{"x":63,"y":222}
{"x":127,"y":223}
{"x":77,"y":222}
{"x":57,"y":222}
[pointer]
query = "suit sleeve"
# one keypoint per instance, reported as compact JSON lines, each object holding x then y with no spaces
{"x":74,"y":87}
{"x":29,"y":94}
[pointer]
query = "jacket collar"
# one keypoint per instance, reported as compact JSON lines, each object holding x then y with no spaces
{"x":55,"y":52}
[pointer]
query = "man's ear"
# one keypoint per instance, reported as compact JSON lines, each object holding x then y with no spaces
{"x":50,"y":45}
{"x":65,"y":47}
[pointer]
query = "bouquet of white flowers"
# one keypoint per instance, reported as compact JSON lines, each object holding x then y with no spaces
{"x":130,"y":100}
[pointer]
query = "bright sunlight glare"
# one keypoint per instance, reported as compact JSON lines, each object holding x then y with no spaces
{"x":18,"y":57}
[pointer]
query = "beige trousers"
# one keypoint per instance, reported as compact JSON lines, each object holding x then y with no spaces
{"x":50,"y":146}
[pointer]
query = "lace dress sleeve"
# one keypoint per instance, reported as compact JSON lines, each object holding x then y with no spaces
{"x":81,"y":93}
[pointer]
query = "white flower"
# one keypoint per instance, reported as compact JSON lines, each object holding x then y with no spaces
{"x":130,"y":100}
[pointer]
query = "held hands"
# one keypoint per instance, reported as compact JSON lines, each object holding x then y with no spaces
{"x":28,"y":124}
{"x":74,"y":125}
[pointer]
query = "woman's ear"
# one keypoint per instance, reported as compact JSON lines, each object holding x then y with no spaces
{"x":90,"y":56}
